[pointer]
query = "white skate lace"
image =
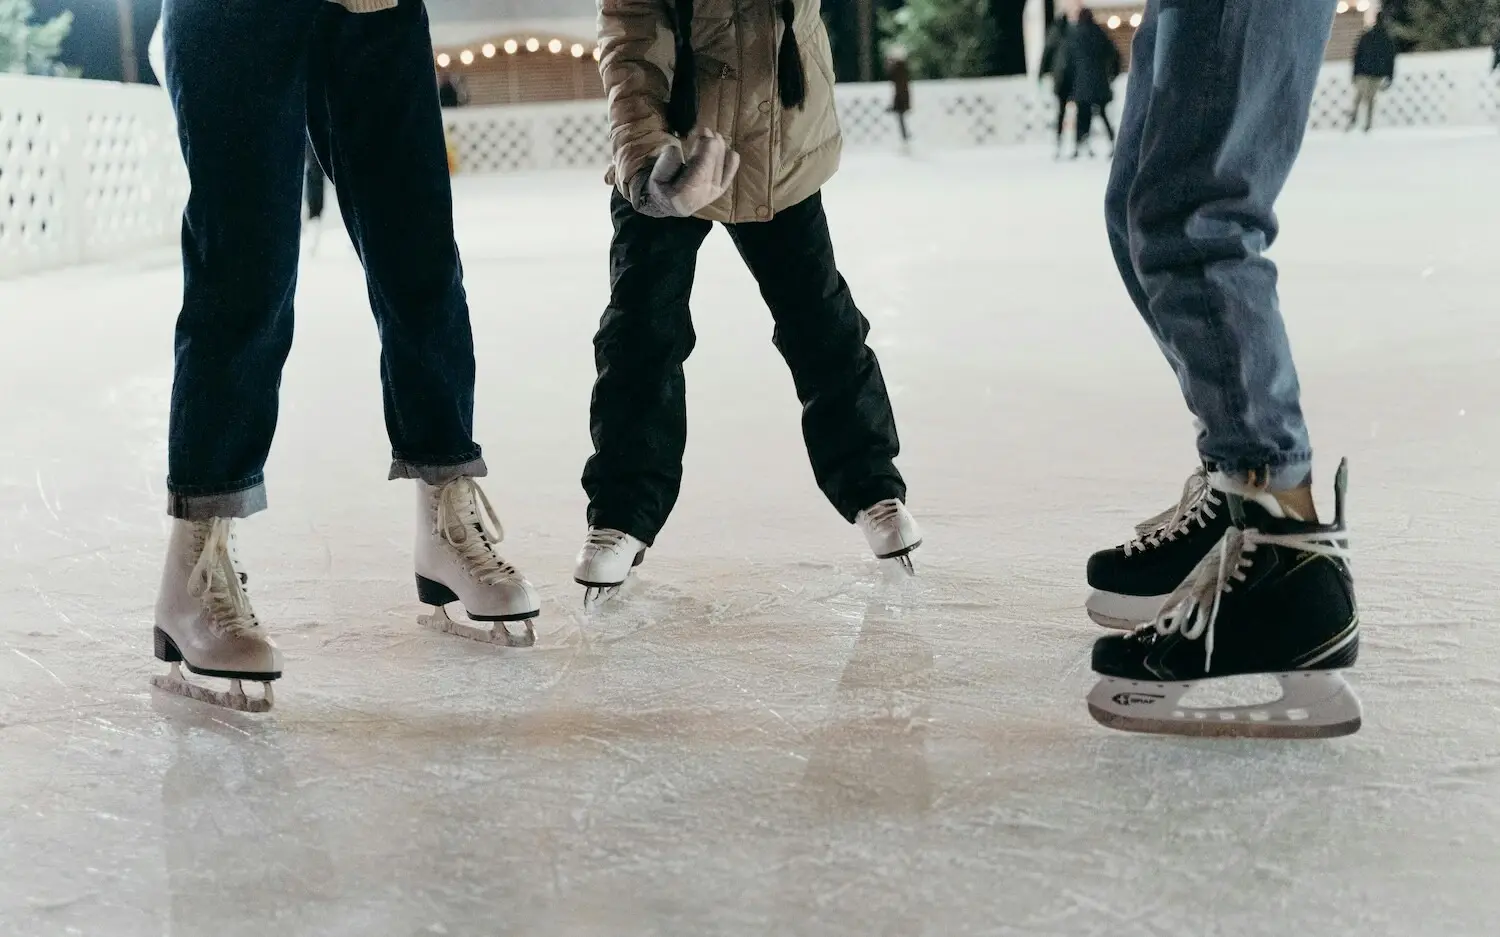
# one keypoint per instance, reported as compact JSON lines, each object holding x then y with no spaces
{"x":884,"y":514}
{"x":1196,"y":506}
{"x":1193,"y":606}
{"x":215,"y":579}
{"x":464,"y":508}
{"x":605,"y":538}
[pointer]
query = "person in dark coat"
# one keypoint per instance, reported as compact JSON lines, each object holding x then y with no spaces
{"x":1055,"y":63}
{"x":1093,"y":63}
{"x":1374,"y":70}
{"x":898,"y":70}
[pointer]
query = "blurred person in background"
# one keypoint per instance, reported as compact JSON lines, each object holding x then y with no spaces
{"x":672,"y":93}
{"x":898,"y":69}
{"x":1055,"y":63}
{"x":1093,"y":64}
{"x":1374,"y":69}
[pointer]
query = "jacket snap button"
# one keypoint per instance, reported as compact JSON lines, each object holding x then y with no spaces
{"x":765,"y":107}
{"x":762,"y":212}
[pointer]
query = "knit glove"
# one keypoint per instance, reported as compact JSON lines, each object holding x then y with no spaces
{"x":678,"y":188}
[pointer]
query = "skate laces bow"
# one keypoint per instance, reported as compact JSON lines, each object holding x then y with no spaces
{"x":1193,"y":606}
{"x":217,"y":581}
{"x":463,"y":506}
{"x":1195,"y":506}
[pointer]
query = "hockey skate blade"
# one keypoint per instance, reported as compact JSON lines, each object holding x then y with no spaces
{"x":1314,"y":704}
{"x":497,"y":633}
{"x":233,"y":698}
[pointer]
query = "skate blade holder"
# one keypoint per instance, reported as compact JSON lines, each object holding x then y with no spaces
{"x":1314,"y":704}
{"x":234,"y":698}
{"x":485,"y":631}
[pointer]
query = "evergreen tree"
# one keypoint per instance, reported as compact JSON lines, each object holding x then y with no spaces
{"x":1434,"y":25}
{"x":27,"y":47}
{"x":943,"y":38}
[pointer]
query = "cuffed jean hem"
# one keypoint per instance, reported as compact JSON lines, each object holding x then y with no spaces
{"x":203,"y":507}
{"x":1295,"y":472}
{"x":438,"y":474}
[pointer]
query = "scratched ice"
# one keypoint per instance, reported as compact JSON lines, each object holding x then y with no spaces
{"x":766,"y":739}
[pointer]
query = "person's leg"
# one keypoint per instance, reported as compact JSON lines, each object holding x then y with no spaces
{"x":1109,"y":129}
{"x":1226,"y":115}
{"x":1062,"y":119}
{"x":847,"y":420}
{"x":638,"y":411}
{"x":1084,"y":114}
{"x":1127,"y":156}
{"x":315,"y":186}
{"x":373,"y":117}
{"x":1370,"y":97}
{"x":239,"y":113}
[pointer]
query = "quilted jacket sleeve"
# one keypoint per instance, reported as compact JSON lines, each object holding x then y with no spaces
{"x":636,"y":58}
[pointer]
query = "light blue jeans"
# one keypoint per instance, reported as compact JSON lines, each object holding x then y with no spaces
{"x":1214,"y":117}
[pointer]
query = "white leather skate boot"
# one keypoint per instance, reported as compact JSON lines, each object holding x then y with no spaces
{"x":204,"y":619}
{"x":891,"y":531}
{"x":605,"y":562}
{"x":456,"y":562}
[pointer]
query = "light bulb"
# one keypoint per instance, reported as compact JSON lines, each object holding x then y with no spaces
{"x":1114,"y":22}
{"x":466,"y":57}
{"x":1363,"y":6}
{"x":577,"y":50}
{"x":488,"y":50}
{"x":1343,"y":7}
{"x":555,"y":46}
{"x":1135,"y":20}
{"x":533,"y":44}
{"x":443,"y":60}
{"x":511,"y":46}
{"x":597,"y":52}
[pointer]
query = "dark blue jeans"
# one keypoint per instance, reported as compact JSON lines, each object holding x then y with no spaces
{"x":252,"y":81}
{"x":1214,"y":117}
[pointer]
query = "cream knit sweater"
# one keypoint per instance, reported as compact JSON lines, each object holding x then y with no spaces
{"x":366,"y":6}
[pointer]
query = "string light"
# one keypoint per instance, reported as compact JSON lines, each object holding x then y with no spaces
{"x":1343,"y":7}
{"x":555,"y":46}
{"x":577,"y":50}
{"x":1114,"y":22}
{"x":511,"y":46}
{"x":443,"y":60}
{"x":1135,"y":20}
{"x":488,"y":50}
{"x":533,"y":44}
{"x":466,"y":57}
{"x":597,"y":52}
{"x":1363,"y":6}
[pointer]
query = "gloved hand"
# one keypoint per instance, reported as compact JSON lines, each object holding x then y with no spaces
{"x":675,"y":188}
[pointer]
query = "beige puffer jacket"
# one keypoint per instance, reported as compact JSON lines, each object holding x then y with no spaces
{"x":786,"y":154}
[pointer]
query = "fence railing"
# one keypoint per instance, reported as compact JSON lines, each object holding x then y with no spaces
{"x":88,"y":170}
{"x":91,"y":170}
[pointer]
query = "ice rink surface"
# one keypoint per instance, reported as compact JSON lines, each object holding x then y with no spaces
{"x":766,"y":737}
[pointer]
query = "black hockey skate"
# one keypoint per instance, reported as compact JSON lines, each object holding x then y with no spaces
{"x":1274,"y":597}
{"x":1131,"y":581}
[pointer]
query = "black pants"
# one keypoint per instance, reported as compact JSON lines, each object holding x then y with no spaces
{"x":252,"y":81}
{"x":1085,"y":121}
{"x":1062,"y":117}
{"x":638,"y":414}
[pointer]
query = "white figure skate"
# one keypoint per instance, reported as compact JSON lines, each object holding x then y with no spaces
{"x":891,"y":532}
{"x":604,"y":563}
{"x":456,"y":562}
{"x":204,"y":620}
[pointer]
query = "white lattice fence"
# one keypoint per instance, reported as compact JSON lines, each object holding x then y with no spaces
{"x":1442,"y":89}
{"x":88,"y":170}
